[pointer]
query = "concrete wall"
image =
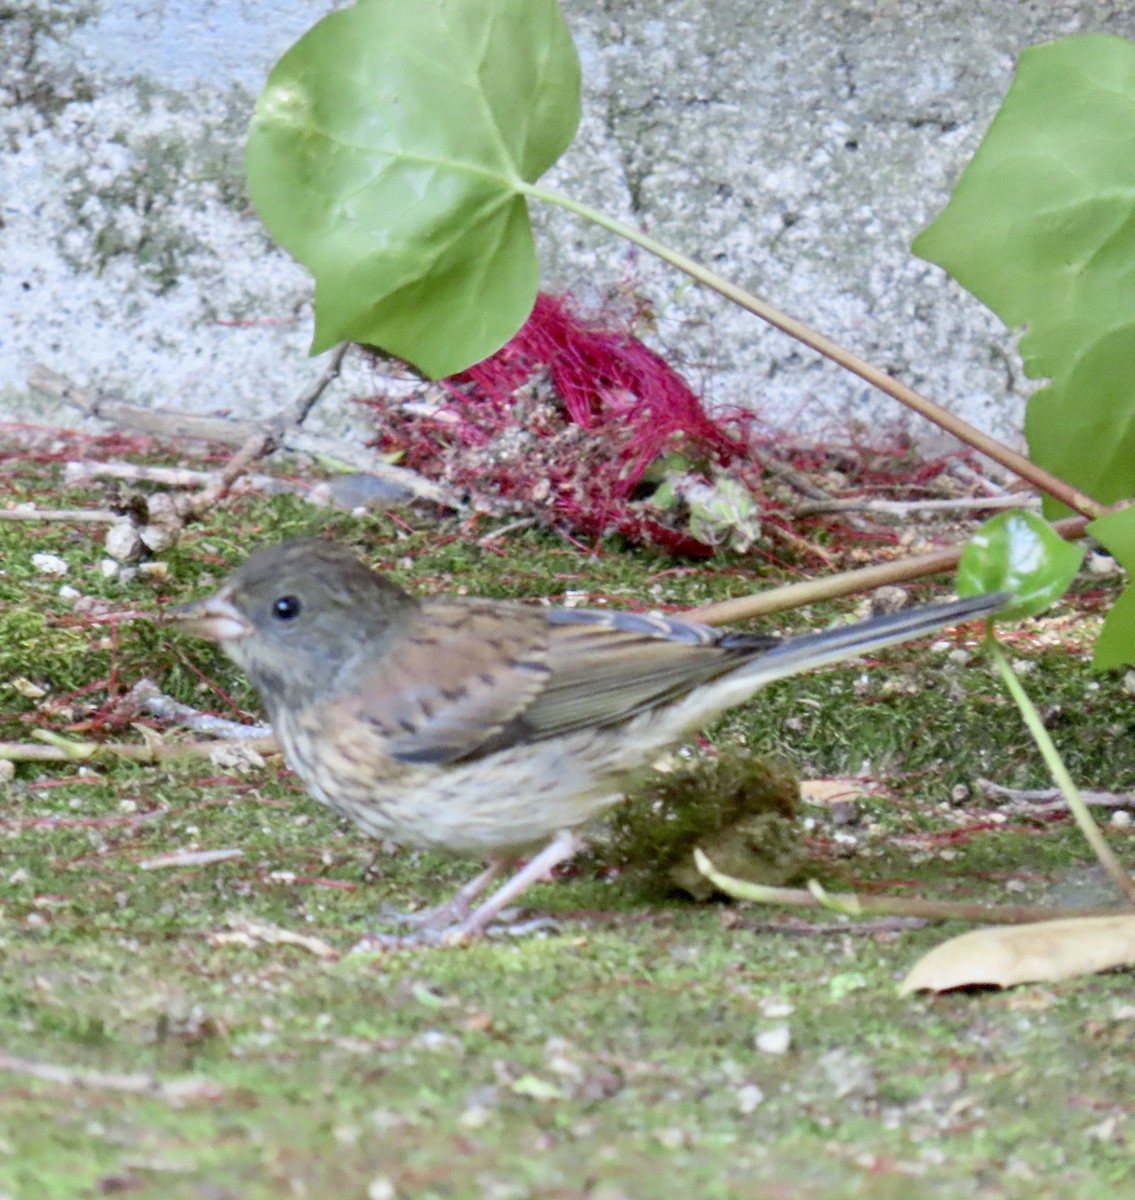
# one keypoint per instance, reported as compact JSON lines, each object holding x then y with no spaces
{"x":796,"y":146}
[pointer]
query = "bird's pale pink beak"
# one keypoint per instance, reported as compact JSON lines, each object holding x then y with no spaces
{"x":214,"y":618}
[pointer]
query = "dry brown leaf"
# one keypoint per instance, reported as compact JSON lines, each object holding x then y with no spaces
{"x":832,"y":791}
{"x":1004,"y":955}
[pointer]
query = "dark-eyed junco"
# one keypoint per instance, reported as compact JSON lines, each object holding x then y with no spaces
{"x":484,"y":727}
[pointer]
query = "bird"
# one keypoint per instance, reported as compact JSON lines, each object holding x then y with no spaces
{"x":484,"y":727}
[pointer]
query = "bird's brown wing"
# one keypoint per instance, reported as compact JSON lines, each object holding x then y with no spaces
{"x":457,"y":675}
{"x":470,"y":678}
{"x":607,"y":666}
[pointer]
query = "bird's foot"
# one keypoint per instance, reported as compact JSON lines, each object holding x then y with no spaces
{"x":509,"y":923}
{"x":453,"y":923}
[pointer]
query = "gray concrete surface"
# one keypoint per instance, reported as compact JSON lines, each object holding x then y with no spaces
{"x":796,"y":146}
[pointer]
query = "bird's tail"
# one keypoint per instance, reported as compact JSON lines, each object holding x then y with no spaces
{"x":810,"y":650}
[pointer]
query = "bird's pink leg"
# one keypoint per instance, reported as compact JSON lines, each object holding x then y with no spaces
{"x":456,"y":908}
{"x":563,"y":846}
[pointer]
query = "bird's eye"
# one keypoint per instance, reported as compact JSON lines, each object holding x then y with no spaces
{"x":286,"y":608}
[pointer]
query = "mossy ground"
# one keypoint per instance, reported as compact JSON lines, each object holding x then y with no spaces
{"x":611,"y":1055}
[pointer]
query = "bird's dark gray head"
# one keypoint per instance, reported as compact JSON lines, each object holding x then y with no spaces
{"x":293,"y":615}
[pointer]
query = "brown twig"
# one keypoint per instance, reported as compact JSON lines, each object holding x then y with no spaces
{"x":178,"y":477}
{"x":1021,"y":466}
{"x":263,"y":441}
{"x":831,"y":587}
{"x":160,"y":422}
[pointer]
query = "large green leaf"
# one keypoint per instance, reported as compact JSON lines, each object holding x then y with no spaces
{"x":1115,"y":646}
{"x":1041,"y":228}
{"x":388,"y":153}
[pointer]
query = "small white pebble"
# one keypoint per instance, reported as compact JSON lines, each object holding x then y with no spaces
{"x":476,"y":1116}
{"x":67,"y":592}
{"x":773,"y":1041}
{"x":159,"y":537}
{"x":773,"y":1007}
{"x":381,"y":1187}
{"x":49,"y":564}
{"x":7,"y":770}
{"x":1121,"y":819}
{"x":1016,"y":886}
{"x":108,"y":568}
{"x":19,"y":875}
{"x":123,"y":542}
{"x":749,"y":1099}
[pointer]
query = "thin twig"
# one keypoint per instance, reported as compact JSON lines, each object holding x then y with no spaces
{"x":178,"y":477}
{"x":1052,"y":799}
{"x":177,"y":1091}
{"x":128,"y":751}
{"x":244,"y":931}
{"x":1041,"y":479}
{"x":92,"y":516}
{"x":800,"y":928}
{"x":505,"y":530}
{"x":267,"y":439}
{"x":146,"y":695}
{"x":798,"y":481}
{"x":904,"y":508}
{"x":189,"y":858}
{"x":158,"y":421}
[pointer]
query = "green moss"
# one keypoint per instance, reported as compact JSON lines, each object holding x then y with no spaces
{"x":738,"y":809}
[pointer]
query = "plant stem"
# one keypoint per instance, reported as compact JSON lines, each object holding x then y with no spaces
{"x":831,"y":587}
{"x":1059,"y":772}
{"x":850,"y":903}
{"x":962,"y":430}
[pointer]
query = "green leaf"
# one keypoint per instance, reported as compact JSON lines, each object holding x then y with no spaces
{"x":1115,"y":646}
{"x":1018,"y":552}
{"x":1041,"y":228}
{"x":389,"y":153}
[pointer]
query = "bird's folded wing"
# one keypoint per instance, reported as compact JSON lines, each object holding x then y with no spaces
{"x":608,"y":666}
{"x":459,"y":672}
{"x":470,"y":678}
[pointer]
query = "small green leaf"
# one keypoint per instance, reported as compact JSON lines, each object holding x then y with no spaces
{"x":1021,"y":553}
{"x":1041,"y":228}
{"x":1115,"y":646}
{"x":389,"y":153}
